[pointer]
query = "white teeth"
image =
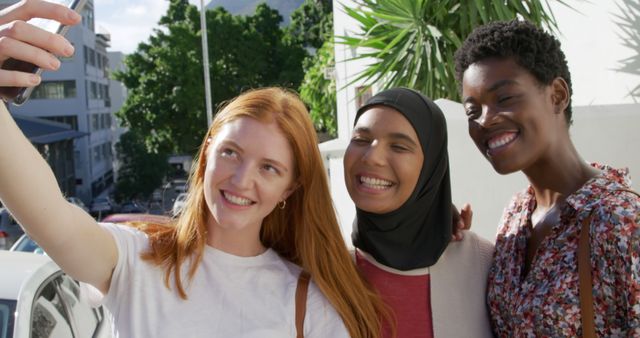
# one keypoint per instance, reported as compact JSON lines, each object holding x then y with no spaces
{"x":236,"y":199}
{"x":501,"y":140}
{"x":375,"y":183}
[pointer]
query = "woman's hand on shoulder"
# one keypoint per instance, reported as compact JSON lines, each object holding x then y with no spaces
{"x":21,"y":40}
{"x":461,"y":220}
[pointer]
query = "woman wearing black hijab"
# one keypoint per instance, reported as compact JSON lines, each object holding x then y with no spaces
{"x":397,"y":173}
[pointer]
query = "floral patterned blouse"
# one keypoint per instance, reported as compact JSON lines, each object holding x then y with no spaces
{"x":545,"y":303}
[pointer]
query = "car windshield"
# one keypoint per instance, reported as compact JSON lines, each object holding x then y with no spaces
{"x":26,"y":244}
{"x":7,"y":309}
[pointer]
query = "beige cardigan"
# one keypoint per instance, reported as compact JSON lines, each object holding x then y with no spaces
{"x":458,"y":288}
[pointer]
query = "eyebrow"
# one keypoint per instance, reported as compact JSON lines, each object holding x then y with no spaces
{"x":277,"y":164}
{"x":403,"y":137}
{"x":494,"y":87}
{"x":267,"y":160}
{"x":394,"y":136}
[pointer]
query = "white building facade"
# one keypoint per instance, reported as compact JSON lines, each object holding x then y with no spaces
{"x":78,"y":94}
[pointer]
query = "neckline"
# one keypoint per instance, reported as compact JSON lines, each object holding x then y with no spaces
{"x":369,"y":259}
{"x":229,"y":259}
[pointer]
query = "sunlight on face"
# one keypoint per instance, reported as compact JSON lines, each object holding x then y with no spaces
{"x":249,"y":170}
{"x":383,"y":160}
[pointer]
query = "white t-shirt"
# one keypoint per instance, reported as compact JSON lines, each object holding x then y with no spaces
{"x":229,"y":296}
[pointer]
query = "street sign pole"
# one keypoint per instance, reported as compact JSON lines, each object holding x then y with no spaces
{"x":205,"y":63}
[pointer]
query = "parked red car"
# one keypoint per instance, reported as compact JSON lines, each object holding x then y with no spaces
{"x":124,"y":218}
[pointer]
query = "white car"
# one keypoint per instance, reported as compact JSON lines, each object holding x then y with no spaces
{"x":100,"y":207}
{"x":37,"y":299}
{"x":26,"y":244}
{"x":180,"y":185}
{"x":179,"y":203}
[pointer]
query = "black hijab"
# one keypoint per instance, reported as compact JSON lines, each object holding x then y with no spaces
{"x":414,"y":235}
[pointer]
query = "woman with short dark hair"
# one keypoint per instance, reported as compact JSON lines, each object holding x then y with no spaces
{"x":516,"y":92}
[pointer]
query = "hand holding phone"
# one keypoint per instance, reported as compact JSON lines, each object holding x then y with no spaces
{"x":30,"y":46}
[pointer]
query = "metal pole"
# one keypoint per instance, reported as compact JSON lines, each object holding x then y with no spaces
{"x":205,"y":62}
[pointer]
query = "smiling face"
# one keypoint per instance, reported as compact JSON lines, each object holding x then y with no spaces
{"x":249,"y":170}
{"x":383,"y":160}
{"x":513,"y":119}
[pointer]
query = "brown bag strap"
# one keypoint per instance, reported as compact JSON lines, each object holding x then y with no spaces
{"x":629,"y":191}
{"x":584,"y":277}
{"x":584,"y":281}
{"x":301,"y":302}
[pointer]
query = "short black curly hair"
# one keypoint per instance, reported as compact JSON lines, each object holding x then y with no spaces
{"x":529,"y":46}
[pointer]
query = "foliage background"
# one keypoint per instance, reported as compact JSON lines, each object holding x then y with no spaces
{"x":414,"y":41}
{"x":165,"y":108}
{"x":165,"y":80}
{"x":629,"y":23}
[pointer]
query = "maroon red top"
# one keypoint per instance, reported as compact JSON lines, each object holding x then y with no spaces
{"x":408,"y":296}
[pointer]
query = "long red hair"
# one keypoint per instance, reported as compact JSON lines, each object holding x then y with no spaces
{"x":306,"y":232}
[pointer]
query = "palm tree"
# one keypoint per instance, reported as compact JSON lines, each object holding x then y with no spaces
{"x":414,"y":41}
{"x":629,"y":22}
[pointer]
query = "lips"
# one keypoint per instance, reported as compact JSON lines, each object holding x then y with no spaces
{"x":374,"y":183}
{"x":500,"y":141}
{"x":236,"y":200}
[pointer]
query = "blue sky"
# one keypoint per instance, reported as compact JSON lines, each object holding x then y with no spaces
{"x":130,"y":21}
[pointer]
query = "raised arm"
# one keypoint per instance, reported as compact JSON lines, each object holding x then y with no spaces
{"x":28,"y":188}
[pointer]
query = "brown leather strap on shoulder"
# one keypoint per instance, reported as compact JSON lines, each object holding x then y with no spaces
{"x":585,"y":288}
{"x":630,"y":191}
{"x":301,"y":302}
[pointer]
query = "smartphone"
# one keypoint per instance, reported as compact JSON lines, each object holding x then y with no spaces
{"x":19,"y":95}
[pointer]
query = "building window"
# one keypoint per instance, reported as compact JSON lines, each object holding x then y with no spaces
{"x":104,"y":92}
{"x":55,"y":90}
{"x":87,"y":18}
{"x":92,"y":57}
{"x":95,"y":124}
{"x":105,"y":151}
{"x":93,"y":93}
{"x":96,"y":154}
{"x":108,"y":122}
{"x":70,"y":120}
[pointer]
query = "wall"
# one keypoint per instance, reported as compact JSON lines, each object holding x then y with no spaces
{"x":594,"y":43}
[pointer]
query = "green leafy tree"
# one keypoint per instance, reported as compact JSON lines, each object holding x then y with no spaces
{"x":164,"y":75}
{"x":414,"y":41}
{"x":312,"y":26}
{"x":164,"y":78}
{"x":319,"y":90}
{"x":312,"y":23}
{"x":141,"y":171}
{"x":281,"y":58}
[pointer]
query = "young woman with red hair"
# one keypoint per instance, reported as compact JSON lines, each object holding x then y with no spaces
{"x":258,"y":216}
